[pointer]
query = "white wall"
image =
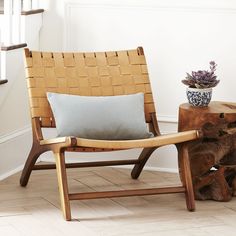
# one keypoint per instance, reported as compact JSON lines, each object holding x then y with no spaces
{"x":14,"y":112}
{"x":178,"y":36}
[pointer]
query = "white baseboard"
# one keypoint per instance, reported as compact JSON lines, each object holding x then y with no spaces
{"x":11,"y":172}
{"x":167,"y":118}
{"x":13,"y":159}
{"x":14,"y":134}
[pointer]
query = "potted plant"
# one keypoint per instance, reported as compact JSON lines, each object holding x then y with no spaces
{"x":200,"y":84}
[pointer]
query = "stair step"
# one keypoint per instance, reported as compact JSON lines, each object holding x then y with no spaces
{"x":12,"y":47}
{"x":25,"y":13}
{"x":3,"y":81}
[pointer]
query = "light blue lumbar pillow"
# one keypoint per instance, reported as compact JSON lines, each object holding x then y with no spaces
{"x":105,"y":118}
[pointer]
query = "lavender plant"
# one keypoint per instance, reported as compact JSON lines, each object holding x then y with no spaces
{"x":202,"y":79}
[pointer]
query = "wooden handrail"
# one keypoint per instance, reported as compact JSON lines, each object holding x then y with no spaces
{"x":26,"y":13}
{"x":31,"y":12}
{"x":12,"y":47}
{"x":3,"y":81}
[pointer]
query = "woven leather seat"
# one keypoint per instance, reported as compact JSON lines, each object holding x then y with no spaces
{"x":96,"y":74}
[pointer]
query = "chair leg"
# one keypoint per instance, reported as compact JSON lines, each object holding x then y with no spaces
{"x":35,"y":152}
{"x":63,"y":185}
{"x":144,"y":156}
{"x":186,"y":176}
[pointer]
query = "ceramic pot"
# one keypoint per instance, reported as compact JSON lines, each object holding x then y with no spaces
{"x":199,"y":97}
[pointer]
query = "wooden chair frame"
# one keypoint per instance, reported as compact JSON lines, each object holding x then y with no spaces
{"x":58,"y":72}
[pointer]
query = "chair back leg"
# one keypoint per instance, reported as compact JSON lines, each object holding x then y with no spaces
{"x":34,"y":154}
{"x":143,"y":158}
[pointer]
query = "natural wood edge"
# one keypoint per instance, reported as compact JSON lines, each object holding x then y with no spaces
{"x":3,"y":81}
{"x":126,"y":193}
{"x":31,"y":12}
{"x":12,"y":47}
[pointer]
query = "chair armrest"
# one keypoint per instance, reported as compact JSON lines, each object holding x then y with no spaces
{"x":158,"y":141}
{"x":64,"y":141}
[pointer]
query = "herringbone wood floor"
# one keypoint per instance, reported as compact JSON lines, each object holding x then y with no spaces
{"x":34,"y":210}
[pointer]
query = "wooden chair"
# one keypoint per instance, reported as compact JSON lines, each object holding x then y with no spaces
{"x":96,"y":74}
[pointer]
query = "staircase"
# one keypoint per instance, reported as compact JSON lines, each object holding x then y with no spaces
{"x":13,"y":20}
{"x":20,"y":24}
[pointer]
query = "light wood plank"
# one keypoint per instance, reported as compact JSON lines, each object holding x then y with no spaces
{"x":35,"y":210}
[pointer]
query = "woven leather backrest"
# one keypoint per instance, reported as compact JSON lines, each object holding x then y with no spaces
{"x":87,"y":74}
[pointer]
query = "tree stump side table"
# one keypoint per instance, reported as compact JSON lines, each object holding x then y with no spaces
{"x":213,"y":157}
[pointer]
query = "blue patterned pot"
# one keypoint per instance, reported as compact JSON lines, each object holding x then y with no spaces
{"x":199,"y":97}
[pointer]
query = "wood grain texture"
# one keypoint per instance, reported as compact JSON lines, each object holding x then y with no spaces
{"x":141,"y":143}
{"x":127,"y":144}
{"x":187,"y":179}
{"x":213,"y":157}
{"x":63,"y":185}
{"x":126,"y":193}
{"x":195,"y":117}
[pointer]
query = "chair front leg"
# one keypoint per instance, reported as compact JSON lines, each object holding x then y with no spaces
{"x":62,"y":184}
{"x":185,"y":174}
